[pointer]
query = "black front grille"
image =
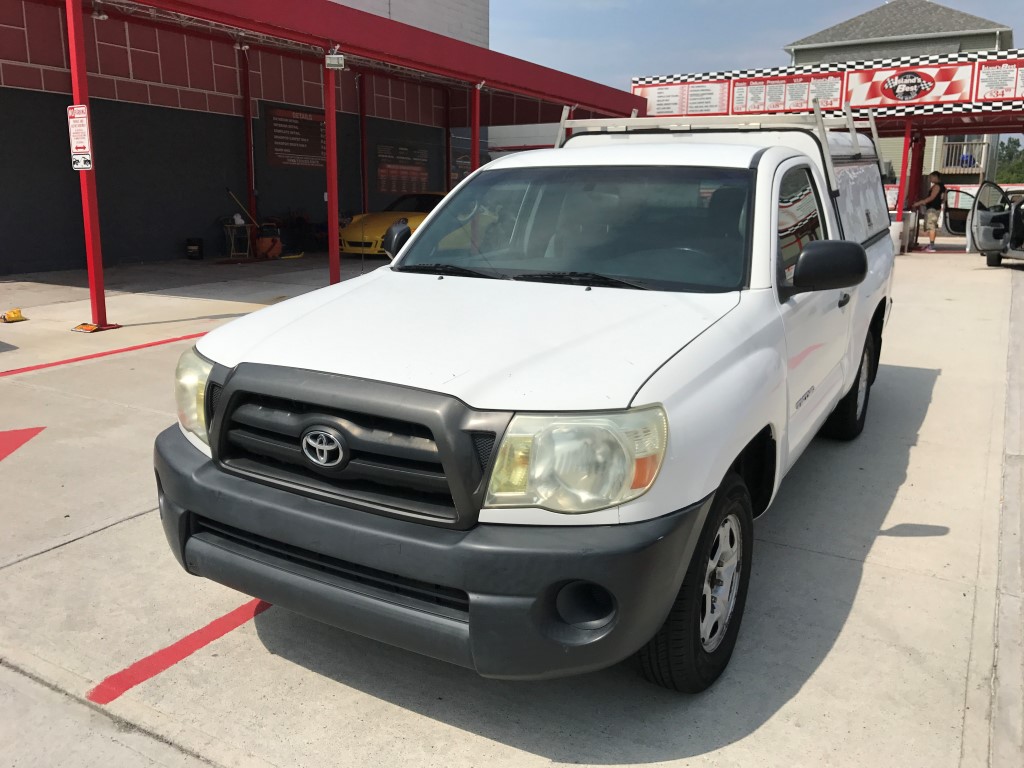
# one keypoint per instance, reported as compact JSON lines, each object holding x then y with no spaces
{"x":392,"y":463}
{"x":213,"y":393}
{"x":413,"y":454}
{"x":483,"y":444}
{"x":419,"y":594}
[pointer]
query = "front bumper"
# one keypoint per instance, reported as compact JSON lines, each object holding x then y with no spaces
{"x":399,"y":581}
{"x":374,"y":249}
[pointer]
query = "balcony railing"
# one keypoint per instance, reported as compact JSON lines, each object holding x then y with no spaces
{"x":964,"y":157}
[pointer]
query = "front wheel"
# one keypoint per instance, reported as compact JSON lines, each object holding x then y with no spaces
{"x":847,"y":420}
{"x":694,"y":645}
{"x":994,"y":259}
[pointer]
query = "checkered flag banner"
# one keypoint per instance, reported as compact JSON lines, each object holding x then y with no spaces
{"x":834,"y":66}
{"x":934,"y":84}
{"x":881,"y":87}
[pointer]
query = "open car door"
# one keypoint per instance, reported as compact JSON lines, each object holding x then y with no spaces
{"x":956,"y":207}
{"x":991,"y":223}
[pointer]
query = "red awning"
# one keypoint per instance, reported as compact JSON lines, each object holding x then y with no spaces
{"x":365,"y":35}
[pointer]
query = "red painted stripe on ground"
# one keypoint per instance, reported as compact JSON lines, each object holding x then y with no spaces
{"x":13,"y":439}
{"x":93,"y":356}
{"x":151,"y":666}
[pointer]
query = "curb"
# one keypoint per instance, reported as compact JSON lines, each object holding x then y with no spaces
{"x":1007,"y":730}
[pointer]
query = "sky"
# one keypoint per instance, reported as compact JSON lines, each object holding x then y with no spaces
{"x":611,"y":41}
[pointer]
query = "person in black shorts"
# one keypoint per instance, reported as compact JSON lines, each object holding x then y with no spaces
{"x":932,"y":203}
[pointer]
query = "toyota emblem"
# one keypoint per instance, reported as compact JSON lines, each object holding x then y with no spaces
{"x":324,"y":449}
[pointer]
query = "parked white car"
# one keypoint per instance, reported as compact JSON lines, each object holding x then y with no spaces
{"x":539,"y":449}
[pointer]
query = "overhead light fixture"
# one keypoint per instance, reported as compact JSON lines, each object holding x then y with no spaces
{"x":333,"y":59}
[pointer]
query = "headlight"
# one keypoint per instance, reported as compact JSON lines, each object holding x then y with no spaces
{"x":578,"y":463}
{"x":190,"y":392}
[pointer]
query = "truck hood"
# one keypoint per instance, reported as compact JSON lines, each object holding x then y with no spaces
{"x":494,"y":344}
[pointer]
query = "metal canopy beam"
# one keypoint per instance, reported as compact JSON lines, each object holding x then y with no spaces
{"x":1007,"y":121}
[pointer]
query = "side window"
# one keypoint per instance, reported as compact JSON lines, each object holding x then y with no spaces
{"x":800,"y":220}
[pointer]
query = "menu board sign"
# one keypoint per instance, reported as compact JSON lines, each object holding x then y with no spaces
{"x":296,"y":139}
{"x":686,"y":99}
{"x":1000,"y":80}
{"x":792,"y":93}
{"x":402,"y":169}
{"x":904,"y":86}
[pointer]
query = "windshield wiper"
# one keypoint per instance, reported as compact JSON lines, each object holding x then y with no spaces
{"x":447,"y":269}
{"x":582,"y":278}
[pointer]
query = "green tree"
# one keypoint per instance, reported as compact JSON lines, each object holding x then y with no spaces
{"x":1010,"y":168}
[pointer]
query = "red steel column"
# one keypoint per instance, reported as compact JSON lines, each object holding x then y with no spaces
{"x":363,"y":168}
{"x":901,"y":199}
{"x":250,"y":166}
{"x":331,"y":131}
{"x":90,"y":209}
{"x":447,"y":140}
{"x":474,"y":141}
{"x":916,"y":167}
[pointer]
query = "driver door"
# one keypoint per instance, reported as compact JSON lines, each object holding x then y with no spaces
{"x":990,"y":219}
{"x":817,"y":323}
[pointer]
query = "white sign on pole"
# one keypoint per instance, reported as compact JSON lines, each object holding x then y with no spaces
{"x":81,"y":139}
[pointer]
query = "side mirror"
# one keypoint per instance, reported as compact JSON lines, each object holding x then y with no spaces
{"x":828,"y":264}
{"x":398,"y":234}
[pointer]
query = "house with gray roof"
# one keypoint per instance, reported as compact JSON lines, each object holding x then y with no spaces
{"x":914,"y":28}
{"x":902,"y":28}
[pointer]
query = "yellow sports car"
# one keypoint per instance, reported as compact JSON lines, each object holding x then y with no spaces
{"x":362,"y":235}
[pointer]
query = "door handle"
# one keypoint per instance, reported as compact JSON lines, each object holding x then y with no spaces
{"x":844,"y":299}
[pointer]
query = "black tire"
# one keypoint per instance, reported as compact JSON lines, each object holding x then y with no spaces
{"x":994,"y":259}
{"x":847,"y":420}
{"x":676,"y":657}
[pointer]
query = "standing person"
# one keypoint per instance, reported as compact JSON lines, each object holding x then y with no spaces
{"x":932,"y":207}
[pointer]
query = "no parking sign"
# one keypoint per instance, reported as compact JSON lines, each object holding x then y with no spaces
{"x":80,"y":136}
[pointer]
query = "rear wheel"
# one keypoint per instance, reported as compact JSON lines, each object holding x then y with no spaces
{"x":847,"y":420}
{"x":694,"y":645}
{"x":994,"y":259}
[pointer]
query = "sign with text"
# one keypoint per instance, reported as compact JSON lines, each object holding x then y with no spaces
{"x":792,"y":93}
{"x":686,"y":99}
{"x":943,"y":84}
{"x":955,"y":83}
{"x":402,"y":169}
{"x":80,"y":137}
{"x":1000,"y":80}
{"x":296,"y":139}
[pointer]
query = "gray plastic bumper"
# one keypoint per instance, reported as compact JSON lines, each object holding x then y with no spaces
{"x":526,"y":616}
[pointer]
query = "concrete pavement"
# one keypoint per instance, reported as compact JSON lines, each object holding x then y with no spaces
{"x":41,"y":726}
{"x":880,"y":628}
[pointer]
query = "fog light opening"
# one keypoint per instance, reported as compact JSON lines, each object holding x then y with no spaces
{"x":585,"y":605}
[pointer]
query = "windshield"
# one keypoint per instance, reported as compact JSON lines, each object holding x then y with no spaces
{"x":415,"y":203}
{"x":661,"y":228}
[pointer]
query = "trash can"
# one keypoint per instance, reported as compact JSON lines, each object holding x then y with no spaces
{"x":194,"y":248}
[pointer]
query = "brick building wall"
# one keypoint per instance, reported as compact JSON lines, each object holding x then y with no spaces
{"x":136,"y":63}
{"x":159,"y":87}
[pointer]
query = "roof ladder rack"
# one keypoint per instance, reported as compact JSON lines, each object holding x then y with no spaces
{"x":816,"y":122}
{"x":830,"y":169}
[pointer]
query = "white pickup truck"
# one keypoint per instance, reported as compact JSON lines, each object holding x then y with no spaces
{"x":535,"y":444}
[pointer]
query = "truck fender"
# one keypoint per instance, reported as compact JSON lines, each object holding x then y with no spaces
{"x":718,"y":394}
